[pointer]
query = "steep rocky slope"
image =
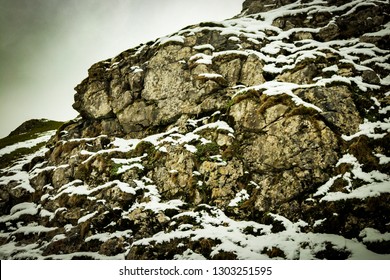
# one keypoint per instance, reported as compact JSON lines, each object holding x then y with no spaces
{"x":261,"y":136}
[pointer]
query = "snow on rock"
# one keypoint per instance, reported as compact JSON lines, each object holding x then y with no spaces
{"x":15,"y":173}
{"x":376,"y":182}
{"x":214,"y":225}
{"x":128,"y":164}
{"x":369,"y":190}
{"x":34,"y":228}
{"x":369,"y":129}
{"x":210,"y":76}
{"x":277,"y":88}
{"x":204,"y":47}
{"x":42,"y":138}
{"x":106,"y":235}
{"x":24,"y":208}
{"x":240,"y":196}
{"x":373,"y":235}
{"x":383,"y":159}
{"x":172,"y":39}
{"x":154,"y":204}
{"x":86,"y":217}
{"x":219,"y":125}
{"x":189,"y":255}
{"x":201,"y":58}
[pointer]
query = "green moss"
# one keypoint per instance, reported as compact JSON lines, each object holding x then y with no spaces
{"x":144,"y":147}
{"x":230,"y":104}
{"x":204,"y":151}
{"x":303,"y":111}
{"x":114,"y":170}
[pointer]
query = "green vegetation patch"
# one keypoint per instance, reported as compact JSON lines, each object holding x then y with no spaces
{"x":204,"y":151}
{"x":29,"y":130}
{"x":7,"y":159}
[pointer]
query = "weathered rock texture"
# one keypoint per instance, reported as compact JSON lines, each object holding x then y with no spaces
{"x":262,"y":136}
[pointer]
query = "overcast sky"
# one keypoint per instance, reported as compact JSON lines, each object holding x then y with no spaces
{"x":47,"y":46}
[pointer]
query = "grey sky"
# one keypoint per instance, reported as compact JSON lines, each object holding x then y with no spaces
{"x":47,"y":46}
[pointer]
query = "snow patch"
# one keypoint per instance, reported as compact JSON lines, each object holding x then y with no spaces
{"x":173,"y":39}
{"x":240,"y":197}
{"x":87,"y":217}
{"x":369,"y":129}
{"x":374,"y":235}
{"x":204,"y":47}
{"x":42,"y":138}
{"x":24,"y":208}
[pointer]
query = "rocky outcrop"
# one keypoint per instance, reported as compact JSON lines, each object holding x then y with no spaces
{"x":262,"y":136}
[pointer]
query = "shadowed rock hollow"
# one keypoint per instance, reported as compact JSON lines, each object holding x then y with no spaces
{"x":261,"y":136}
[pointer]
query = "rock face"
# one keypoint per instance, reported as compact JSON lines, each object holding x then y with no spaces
{"x":262,"y":136}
